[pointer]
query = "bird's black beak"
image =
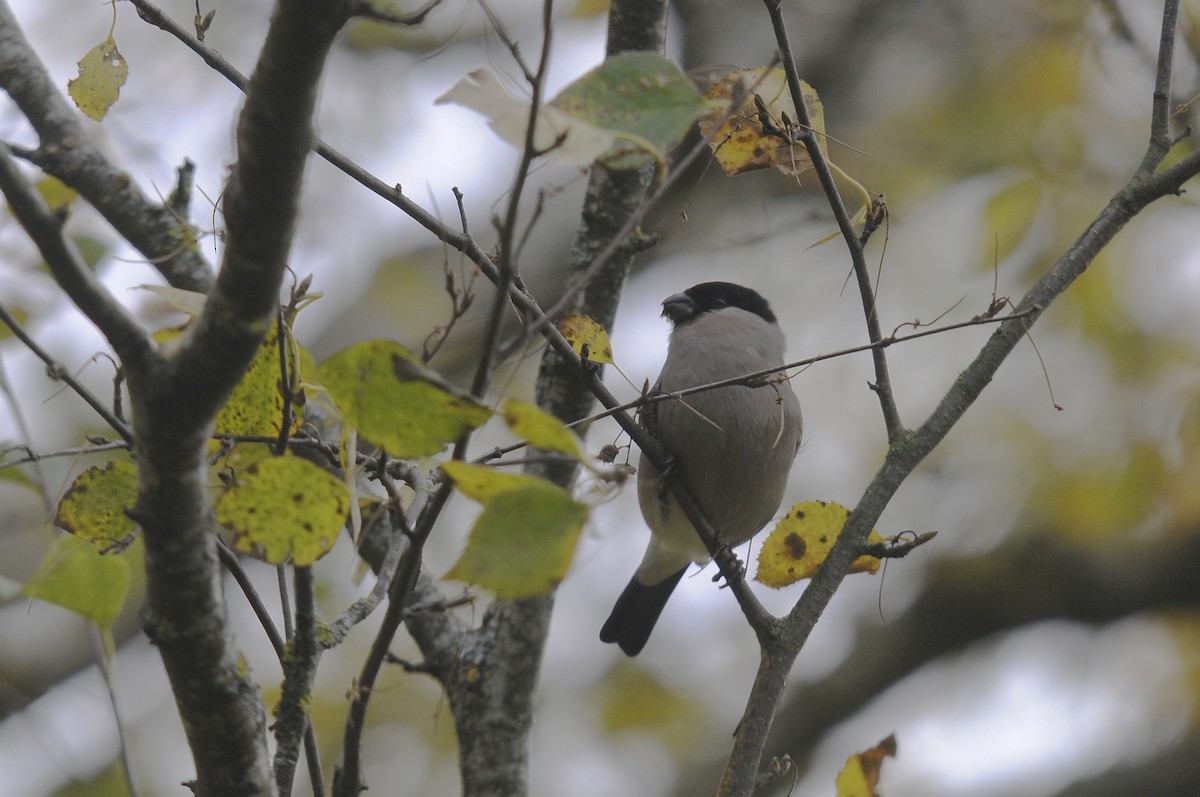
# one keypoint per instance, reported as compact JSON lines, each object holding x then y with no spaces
{"x":678,"y":307}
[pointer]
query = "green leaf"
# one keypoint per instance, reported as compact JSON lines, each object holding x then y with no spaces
{"x":540,"y":428}
{"x":102,"y":73}
{"x":19,"y":314}
{"x":384,"y":392}
{"x":94,"y":506}
{"x":522,"y":543}
{"x":77,"y":576}
{"x":90,"y":249}
{"x":641,"y":96}
{"x":631,"y":108}
{"x":284,"y":508}
{"x":15,"y":475}
{"x":632,"y":699}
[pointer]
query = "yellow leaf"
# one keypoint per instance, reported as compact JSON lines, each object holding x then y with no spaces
{"x":284,"y":508}
{"x":589,"y":9}
{"x":540,"y":428}
{"x":102,"y":73}
{"x":1008,"y":218}
{"x":800,"y":542}
{"x":255,"y":408}
{"x":632,"y":699}
{"x":741,"y":144}
{"x":1104,"y":498}
{"x":93,"y":508}
{"x":482,"y":484}
{"x":58,"y":195}
{"x":384,"y":392}
{"x":19,"y":314}
{"x":587,"y":338}
{"x":77,"y":576}
{"x":860,"y":777}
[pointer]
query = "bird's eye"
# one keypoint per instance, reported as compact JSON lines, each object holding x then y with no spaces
{"x":719,"y":303}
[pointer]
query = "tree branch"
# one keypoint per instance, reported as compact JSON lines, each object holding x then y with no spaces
{"x":391,"y":193}
{"x":57,"y":371}
{"x":127,"y":337}
{"x":299,"y":669}
{"x":905,"y":454}
{"x":808,"y":136}
{"x":175,"y":402}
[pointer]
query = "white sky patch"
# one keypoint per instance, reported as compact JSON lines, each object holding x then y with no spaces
{"x":1027,"y":715}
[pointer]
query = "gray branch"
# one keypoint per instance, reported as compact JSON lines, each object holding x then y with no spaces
{"x":1145,"y":186}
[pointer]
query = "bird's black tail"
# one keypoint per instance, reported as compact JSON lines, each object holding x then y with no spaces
{"x":636,"y":611}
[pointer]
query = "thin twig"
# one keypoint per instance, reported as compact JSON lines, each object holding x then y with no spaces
{"x":1144,"y":187}
{"x":381,"y":13}
{"x":58,"y":372}
{"x":102,"y":653}
{"x":506,"y":262}
{"x":615,"y":245}
{"x":282,"y":340}
{"x":231,"y":563}
{"x":289,"y":629}
{"x":127,"y":337}
{"x":806,"y":135}
{"x":756,"y":378}
{"x":362,"y":608}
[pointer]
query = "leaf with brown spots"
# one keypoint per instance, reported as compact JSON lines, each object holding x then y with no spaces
{"x":800,"y":542}
{"x":283,"y":509}
{"x":94,"y":506}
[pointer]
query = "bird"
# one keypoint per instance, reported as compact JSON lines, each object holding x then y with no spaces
{"x":733,"y":446}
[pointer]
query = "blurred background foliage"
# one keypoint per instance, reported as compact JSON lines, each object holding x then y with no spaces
{"x":1048,"y":643}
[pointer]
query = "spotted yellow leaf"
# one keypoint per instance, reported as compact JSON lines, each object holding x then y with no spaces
{"x":94,"y":506}
{"x":799,"y":543}
{"x":284,"y":509}
{"x":741,"y":143}
{"x":587,"y":338}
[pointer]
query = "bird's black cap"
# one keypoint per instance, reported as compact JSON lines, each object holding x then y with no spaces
{"x":708,"y":296}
